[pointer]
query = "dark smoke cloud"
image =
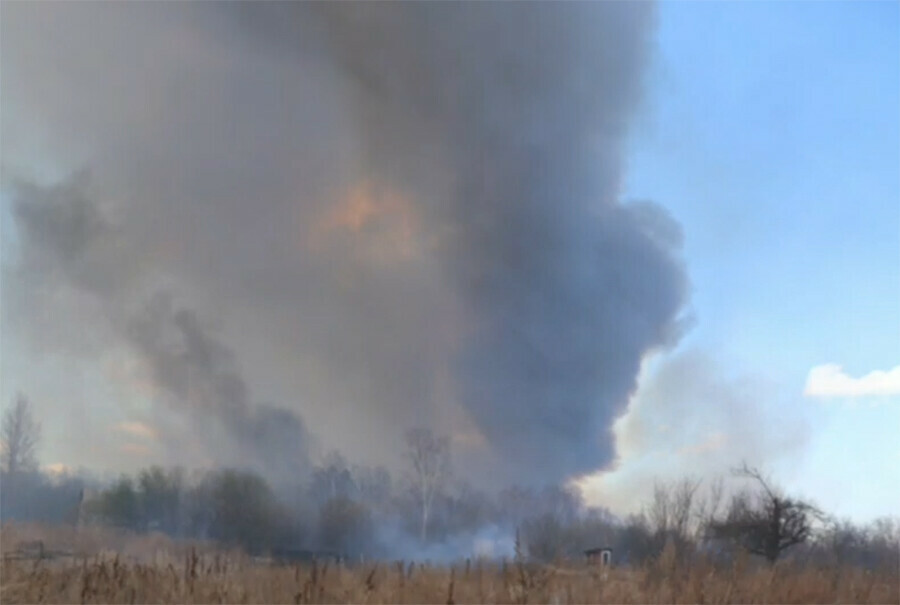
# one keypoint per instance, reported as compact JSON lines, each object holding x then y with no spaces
{"x":525,"y":108}
{"x":400,"y":213}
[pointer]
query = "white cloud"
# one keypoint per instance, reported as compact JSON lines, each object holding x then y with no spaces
{"x":830,"y":380}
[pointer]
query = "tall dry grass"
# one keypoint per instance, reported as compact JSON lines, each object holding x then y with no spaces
{"x":94,"y":540}
{"x":198,"y":576}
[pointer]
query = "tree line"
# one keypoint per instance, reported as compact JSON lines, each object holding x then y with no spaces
{"x":362,"y":510}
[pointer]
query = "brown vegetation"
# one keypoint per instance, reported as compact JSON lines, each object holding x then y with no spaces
{"x":190,"y":574}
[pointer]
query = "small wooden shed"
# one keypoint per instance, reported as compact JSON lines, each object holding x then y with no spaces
{"x":599,"y":556}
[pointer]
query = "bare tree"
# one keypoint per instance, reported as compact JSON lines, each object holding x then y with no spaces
{"x":20,"y":434}
{"x":374,"y":487}
{"x":768,"y":524}
{"x":671,"y":511}
{"x":659,"y":510}
{"x":708,"y":506}
{"x":683,"y":505}
{"x":546,"y":537}
{"x":332,"y":479}
{"x":430,"y":459}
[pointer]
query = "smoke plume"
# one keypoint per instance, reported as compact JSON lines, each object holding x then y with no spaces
{"x":397,"y":214}
{"x":63,"y":230}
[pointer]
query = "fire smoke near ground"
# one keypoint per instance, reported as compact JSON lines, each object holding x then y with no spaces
{"x":404,"y":214}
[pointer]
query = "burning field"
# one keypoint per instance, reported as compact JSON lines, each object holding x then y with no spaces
{"x":198,"y":574}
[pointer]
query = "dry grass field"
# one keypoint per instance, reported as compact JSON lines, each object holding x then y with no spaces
{"x":143,"y":569}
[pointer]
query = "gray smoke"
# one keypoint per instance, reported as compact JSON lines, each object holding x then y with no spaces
{"x":524,"y":108}
{"x":63,"y":231}
{"x":401,"y":214}
{"x":197,"y":371}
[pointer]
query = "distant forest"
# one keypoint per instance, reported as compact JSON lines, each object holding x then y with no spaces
{"x":425,"y":513}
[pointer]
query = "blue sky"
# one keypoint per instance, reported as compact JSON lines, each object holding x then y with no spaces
{"x":773,"y":135}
